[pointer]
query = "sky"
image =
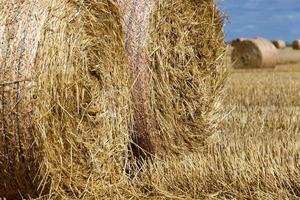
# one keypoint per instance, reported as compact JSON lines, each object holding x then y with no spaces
{"x":272,"y":19}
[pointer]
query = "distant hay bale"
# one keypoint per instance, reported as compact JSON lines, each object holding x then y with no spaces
{"x":254,"y":53}
{"x":81,"y":80}
{"x":288,"y":56}
{"x":236,"y":41}
{"x":63,"y":99}
{"x":175,"y":49}
{"x":279,"y":44}
{"x":296,"y":44}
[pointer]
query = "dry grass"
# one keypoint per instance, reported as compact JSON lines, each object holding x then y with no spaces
{"x":80,"y":98}
{"x":74,"y":107}
{"x":187,"y":68}
{"x":255,"y":157}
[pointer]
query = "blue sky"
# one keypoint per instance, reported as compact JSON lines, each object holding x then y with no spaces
{"x":273,"y":19}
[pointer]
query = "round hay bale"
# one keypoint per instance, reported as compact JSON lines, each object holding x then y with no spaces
{"x":279,"y":44}
{"x":175,"y":51}
{"x":136,"y":28}
{"x":74,"y":85}
{"x":238,"y":40}
{"x":63,"y":99}
{"x":288,"y":56}
{"x":254,"y":53}
{"x":296,"y":44}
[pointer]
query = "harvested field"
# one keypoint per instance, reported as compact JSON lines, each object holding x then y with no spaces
{"x":257,"y":154}
{"x":82,"y":111}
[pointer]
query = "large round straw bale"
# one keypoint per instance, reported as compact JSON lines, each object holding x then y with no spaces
{"x":254,"y":53}
{"x":175,"y":51}
{"x":279,"y":44}
{"x":296,"y":44}
{"x":136,"y":24}
{"x":65,"y":88}
{"x":63,"y":99}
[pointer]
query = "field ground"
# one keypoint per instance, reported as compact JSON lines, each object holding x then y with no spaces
{"x":257,"y":154}
{"x":261,"y":134}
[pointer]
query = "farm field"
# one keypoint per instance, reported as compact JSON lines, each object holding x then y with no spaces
{"x":127,"y":99}
{"x":261,"y":135}
{"x":257,"y":154}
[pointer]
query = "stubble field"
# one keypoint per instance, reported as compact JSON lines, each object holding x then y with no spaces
{"x":255,"y":156}
{"x":261,"y":135}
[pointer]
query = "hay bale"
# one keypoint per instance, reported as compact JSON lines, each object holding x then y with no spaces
{"x":279,"y":44}
{"x":63,"y":101}
{"x":74,"y":85}
{"x":296,"y":44}
{"x":288,"y":56}
{"x":238,"y":40}
{"x":175,"y":50}
{"x":136,"y":22}
{"x":254,"y":53}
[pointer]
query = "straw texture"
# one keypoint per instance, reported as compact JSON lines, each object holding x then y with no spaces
{"x":136,"y":21}
{"x":175,"y":62}
{"x":21,"y":24}
{"x":86,"y":83}
{"x":185,"y":52}
{"x":64,"y":101}
{"x":254,"y":53}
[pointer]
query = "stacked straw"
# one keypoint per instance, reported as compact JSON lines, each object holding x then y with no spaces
{"x":296,"y":44}
{"x":254,"y":53}
{"x":279,"y":44}
{"x":81,"y":80}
